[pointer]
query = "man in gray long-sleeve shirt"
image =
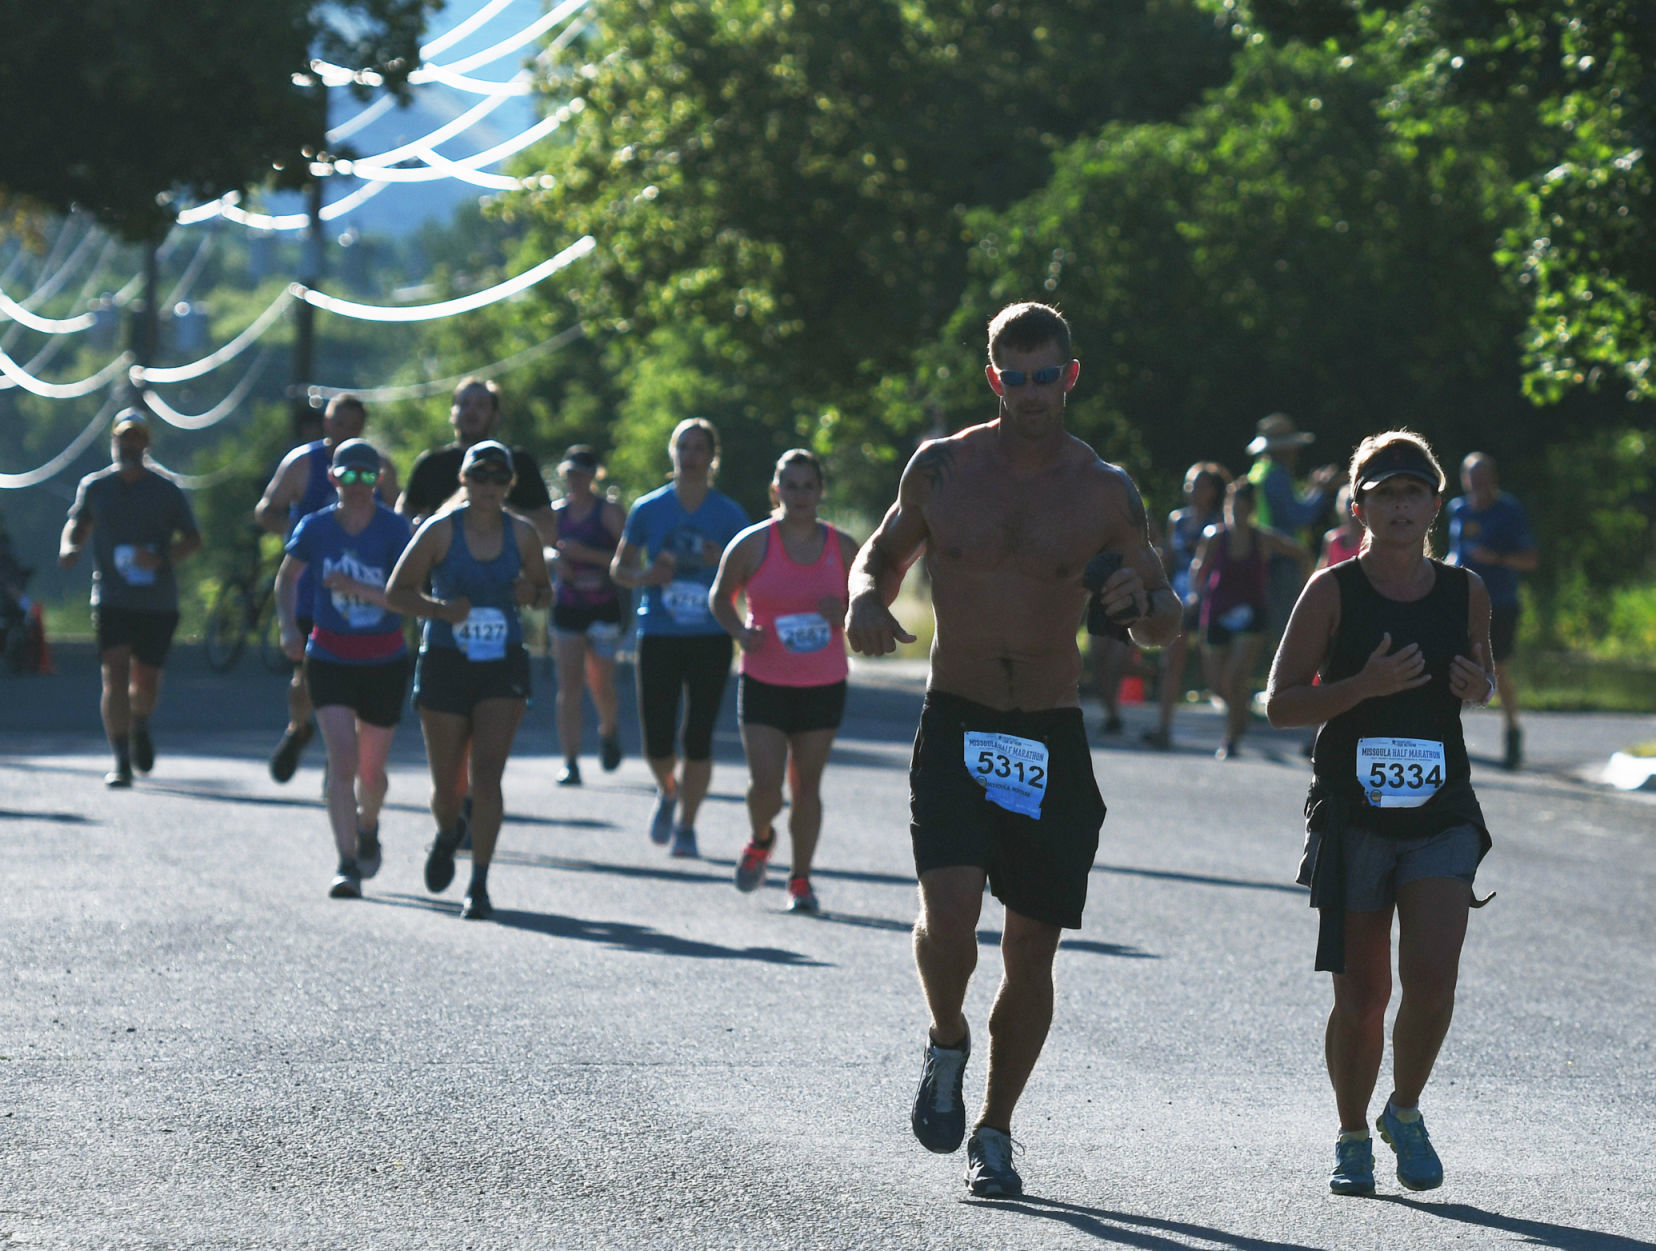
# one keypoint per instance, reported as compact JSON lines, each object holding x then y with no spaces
{"x":140,"y":525}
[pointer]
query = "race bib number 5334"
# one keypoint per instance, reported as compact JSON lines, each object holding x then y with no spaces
{"x":1399,"y":772}
{"x":1012,"y":770}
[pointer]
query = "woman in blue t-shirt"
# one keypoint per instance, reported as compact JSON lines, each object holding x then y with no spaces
{"x":670,"y":549}
{"x":355,"y":660}
{"x":471,"y":684}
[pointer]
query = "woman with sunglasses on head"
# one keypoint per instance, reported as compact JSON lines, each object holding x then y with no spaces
{"x":471,"y":683}
{"x":792,"y":571}
{"x":1384,"y":650}
{"x":355,"y":660}
{"x":586,"y":614}
{"x":670,"y":548}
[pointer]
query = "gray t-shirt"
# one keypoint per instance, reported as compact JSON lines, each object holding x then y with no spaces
{"x":125,"y":517}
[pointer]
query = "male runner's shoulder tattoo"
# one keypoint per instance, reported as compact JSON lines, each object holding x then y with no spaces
{"x":936,"y":462}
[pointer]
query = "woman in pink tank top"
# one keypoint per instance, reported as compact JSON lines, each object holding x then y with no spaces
{"x":792,"y":572}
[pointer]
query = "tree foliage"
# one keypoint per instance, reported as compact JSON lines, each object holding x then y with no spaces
{"x":121,"y":106}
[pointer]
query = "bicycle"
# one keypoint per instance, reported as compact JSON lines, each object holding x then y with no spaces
{"x":244,"y":607}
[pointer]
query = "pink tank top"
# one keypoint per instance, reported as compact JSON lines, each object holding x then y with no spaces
{"x":801,"y":647}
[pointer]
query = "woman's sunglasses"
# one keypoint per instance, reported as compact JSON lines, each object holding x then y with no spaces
{"x":490,"y":477}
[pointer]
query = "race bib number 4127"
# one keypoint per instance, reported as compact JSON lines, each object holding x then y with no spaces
{"x":1012,"y":770}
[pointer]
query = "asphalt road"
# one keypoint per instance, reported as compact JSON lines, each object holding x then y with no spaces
{"x":200,"y":1049}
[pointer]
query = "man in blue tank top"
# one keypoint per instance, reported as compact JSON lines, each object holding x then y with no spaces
{"x":299,"y":487}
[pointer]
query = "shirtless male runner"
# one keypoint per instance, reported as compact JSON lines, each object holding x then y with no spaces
{"x":1009,"y":515}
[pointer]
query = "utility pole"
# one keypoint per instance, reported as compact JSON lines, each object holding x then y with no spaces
{"x":310,"y":273}
{"x":145,"y":326}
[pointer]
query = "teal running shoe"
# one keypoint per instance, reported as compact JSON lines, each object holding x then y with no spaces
{"x":1353,"y":1167}
{"x":1418,"y":1166}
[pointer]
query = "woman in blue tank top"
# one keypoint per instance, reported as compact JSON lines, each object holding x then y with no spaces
{"x":471,"y":683}
{"x":1383,"y":651}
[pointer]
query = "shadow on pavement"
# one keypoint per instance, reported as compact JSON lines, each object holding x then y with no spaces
{"x":61,"y":818}
{"x":989,"y":938}
{"x":617,"y":935}
{"x":1118,"y":1227}
{"x":1533,"y":1233}
{"x":1199,"y":879}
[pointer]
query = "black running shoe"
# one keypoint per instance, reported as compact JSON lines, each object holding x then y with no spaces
{"x":368,"y":852}
{"x":465,"y":825}
{"x":476,"y":906}
{"x":439,"y":865}
{"x":347,"y":882}
{"x":570,"y":774}
{"x":609,"y":752}
{"x":285,"y":759}
{"x":143,"y":748}
{"x":118,"y":779}
{"x":939,"y":1115}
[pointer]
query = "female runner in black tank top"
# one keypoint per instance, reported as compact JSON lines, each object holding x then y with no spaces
{"x":1385,"y":649}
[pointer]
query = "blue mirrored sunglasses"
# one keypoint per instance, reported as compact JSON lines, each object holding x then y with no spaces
{"x":1041,"y":377}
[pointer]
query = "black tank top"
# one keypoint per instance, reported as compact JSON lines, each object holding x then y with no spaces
{"x":1428,"y":714}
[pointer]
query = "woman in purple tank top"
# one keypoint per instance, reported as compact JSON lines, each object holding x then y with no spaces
{"x":1229,"y":573}
{"x":586,"y":616}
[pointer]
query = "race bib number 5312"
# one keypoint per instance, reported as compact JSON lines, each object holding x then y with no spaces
{"x":1012,"y":770}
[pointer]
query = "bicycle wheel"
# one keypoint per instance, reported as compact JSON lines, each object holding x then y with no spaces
{"x":227,"y":622}
{"x":268,"y":630}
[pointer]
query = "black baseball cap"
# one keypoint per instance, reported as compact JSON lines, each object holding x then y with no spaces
{"x":1402,"y":457}
{"x":356,"y":454}
{"x":488,"y":452}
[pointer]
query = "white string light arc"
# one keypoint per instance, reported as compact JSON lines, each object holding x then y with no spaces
{"x":446,"y":308}
{"x":17,"y":376}
{"x":183,"y":373}
{"x":223,"y":409}
{"x":65,"y":458}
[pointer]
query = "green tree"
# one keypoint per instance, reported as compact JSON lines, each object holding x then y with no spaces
{"x":782,"y":185}
{"x":119,"y":107}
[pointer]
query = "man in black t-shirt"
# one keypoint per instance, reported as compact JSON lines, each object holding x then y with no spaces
{"x":436,"y":474}
{"x":139,"y":525}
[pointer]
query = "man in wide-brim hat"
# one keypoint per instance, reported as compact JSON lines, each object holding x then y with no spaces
{"x":1279,"y":506}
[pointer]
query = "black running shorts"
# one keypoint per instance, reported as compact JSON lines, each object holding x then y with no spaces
{"x":374,"y":692}
{"x":148,"y":634}
{"x":791,"y":709}
{"x":445,"y":681}
{"x":1037,"y":866}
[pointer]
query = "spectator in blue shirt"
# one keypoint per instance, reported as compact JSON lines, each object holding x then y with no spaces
{"x":1490,"y":535}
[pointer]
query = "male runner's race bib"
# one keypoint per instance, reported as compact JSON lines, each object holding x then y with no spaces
{"x":482,"y":635}
{"x":804,"y":631}
{"x":1013,"y":770}
{"x":1399,"y":772}
{"x":685,"y":602}
{"x":132,"y":573}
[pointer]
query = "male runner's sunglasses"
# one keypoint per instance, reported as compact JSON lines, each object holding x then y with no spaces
{"x":493,"y":477}
{"x":352,"y":477}
{"x":1041,"y":377}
